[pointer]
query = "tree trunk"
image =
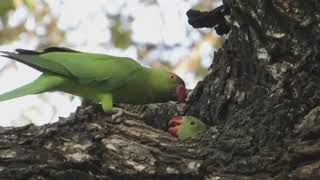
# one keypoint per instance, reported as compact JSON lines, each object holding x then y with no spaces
{"x":261,"y":100}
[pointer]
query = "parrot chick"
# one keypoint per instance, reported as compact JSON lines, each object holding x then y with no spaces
{"x":184,"y":127}
{"x":97,"y":77}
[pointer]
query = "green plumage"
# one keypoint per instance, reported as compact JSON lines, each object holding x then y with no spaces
{"x":98,"y":77}
{"x":191,"y":127}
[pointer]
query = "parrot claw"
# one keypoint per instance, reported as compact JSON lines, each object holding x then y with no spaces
{"x":118,"y":112}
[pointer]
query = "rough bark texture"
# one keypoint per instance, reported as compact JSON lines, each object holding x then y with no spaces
{"x":261,"y":99}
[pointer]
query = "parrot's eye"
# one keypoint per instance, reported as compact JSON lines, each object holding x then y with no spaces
{"x":192,"y":123}
{"x":172,"y":76}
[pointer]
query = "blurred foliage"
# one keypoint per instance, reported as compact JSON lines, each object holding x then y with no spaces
{"x":8,"y":5}
{"x":47,"y":31}
{"x":9,"y":34}
{"x":121,"y":35}
{"x":205,"y":5}
{"x":195,"y":63}
{"x":31,"y":4}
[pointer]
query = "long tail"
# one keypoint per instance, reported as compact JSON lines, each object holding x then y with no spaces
{"x":43,"y":83}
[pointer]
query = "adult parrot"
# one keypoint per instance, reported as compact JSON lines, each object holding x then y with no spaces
{"x":97,"y":77}
{"x":184,"y":127}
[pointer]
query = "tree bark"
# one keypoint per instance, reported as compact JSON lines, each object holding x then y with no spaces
{"x":261,"y":100}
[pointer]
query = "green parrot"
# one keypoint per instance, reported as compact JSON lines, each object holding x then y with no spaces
{"x":97,"y":77}
{"x":184,"y":127}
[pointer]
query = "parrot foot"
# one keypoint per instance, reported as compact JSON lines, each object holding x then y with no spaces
{"x":119,"y":112}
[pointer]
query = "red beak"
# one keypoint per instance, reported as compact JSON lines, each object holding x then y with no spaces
{"x":174,"y":125}
{"x":174,"y":131}
{"x":181,"y":93}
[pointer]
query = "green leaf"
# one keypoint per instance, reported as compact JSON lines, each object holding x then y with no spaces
{"x":6,"y":6}
{"x":30,"y":4}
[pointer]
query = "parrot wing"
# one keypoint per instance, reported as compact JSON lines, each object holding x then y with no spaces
{"x":103,"y":71}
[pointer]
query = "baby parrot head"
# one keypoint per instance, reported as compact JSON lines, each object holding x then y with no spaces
{"x":184,"y":127}
{"x":168,"y":86}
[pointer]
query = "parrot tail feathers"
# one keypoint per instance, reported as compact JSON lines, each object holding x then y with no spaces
{"x":44,"y":83}
{"x":19,"y":58}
